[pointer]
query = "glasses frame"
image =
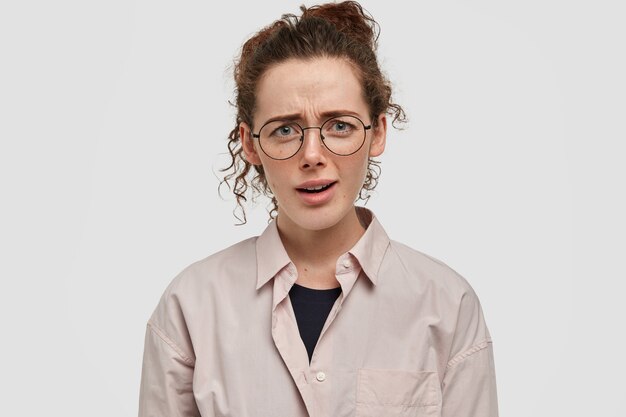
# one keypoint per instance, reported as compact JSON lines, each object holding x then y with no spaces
{"x":365,"y":129}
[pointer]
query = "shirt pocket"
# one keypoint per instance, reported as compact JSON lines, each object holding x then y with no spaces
{"x":397,"y":393}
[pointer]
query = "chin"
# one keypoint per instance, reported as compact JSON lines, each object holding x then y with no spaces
{"x":313,"y":225}
{"x":315,"y":218}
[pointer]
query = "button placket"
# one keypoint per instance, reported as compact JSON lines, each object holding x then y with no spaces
{"x":344,"y":265}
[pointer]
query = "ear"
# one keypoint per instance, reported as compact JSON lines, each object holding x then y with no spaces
{"x":247,"y":143}
{"x":379,"y":136}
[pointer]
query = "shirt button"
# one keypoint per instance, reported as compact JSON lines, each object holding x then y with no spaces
{"x":346,"y":264}
{"x":321,"y":376}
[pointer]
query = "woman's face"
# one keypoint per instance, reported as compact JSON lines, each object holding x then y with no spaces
{"x":311,"y":89}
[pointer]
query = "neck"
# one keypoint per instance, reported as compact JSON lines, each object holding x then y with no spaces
{"x":320,"y":249}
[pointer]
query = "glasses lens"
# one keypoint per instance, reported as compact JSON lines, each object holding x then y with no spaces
{"x":343,"y":135}
{"x":280,"y":140}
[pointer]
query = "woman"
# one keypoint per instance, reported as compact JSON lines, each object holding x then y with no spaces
{"x":322,"y":314}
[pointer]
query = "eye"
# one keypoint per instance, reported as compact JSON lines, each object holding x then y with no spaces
{"x":285,"y":131}
{"x":340,"y":126}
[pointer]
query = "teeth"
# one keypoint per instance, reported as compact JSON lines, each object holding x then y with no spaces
{"x":317,"y":188}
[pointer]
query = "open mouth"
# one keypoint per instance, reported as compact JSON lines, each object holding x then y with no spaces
{"x":315,"y":190}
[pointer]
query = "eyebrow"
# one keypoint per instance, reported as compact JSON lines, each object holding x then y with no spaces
{"x":299,"y":116}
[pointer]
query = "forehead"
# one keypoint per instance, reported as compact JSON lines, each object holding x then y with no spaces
{"x":309,"y":87}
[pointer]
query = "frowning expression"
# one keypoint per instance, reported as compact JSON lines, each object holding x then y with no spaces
{"x":309,"y":92}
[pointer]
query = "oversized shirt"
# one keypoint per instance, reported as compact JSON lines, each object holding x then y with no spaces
{"x":406,"y":337}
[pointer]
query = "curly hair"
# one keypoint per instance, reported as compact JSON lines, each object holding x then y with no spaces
{"x":338,"y":30}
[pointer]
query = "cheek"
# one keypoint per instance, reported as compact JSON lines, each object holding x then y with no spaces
{"x":270,"y":182}
{"x":355,"y":171}
{"x":272,"y":176}
{"x":361,"y":167}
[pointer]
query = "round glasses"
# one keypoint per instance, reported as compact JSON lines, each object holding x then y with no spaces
{"x":342,"y":135}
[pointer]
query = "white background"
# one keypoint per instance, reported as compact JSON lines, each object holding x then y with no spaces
{"x":113,"y":116}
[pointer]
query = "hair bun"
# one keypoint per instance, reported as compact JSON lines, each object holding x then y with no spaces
{"x":350,"y":18}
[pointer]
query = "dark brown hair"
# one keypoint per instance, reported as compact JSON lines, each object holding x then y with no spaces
{"x":337,"y":30}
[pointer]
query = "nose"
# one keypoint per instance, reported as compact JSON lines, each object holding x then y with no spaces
{"x":312,"y":148}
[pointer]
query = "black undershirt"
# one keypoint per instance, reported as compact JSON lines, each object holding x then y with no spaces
{"x":312,"y":307}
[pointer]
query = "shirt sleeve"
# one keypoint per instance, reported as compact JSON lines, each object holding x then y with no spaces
{"x":166,"y":378}
{"x":469,"y":382}
{"x":167,"y":373}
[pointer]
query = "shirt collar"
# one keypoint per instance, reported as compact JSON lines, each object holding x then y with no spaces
{"x":369,"y":250}
{"x":271,"y":255}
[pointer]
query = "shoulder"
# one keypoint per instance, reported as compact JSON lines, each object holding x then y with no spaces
{"x":219,"y":266}
{"x":426,"y":271}
{"x":206,"y":277}
{"x":447,"y":291}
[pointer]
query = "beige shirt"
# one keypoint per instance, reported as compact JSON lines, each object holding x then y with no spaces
{"x":406,"y":337}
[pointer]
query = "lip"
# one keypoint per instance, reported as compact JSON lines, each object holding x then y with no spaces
{"x":314,"y":199}
{"x":314,"y":183}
